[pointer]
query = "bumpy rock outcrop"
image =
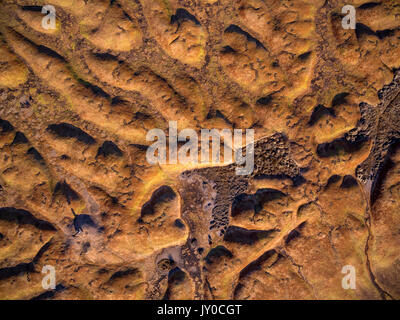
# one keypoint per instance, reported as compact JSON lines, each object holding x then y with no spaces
{"x":77,"y":193}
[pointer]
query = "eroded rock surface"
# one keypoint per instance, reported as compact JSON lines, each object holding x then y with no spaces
{"x":76,"y":190}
